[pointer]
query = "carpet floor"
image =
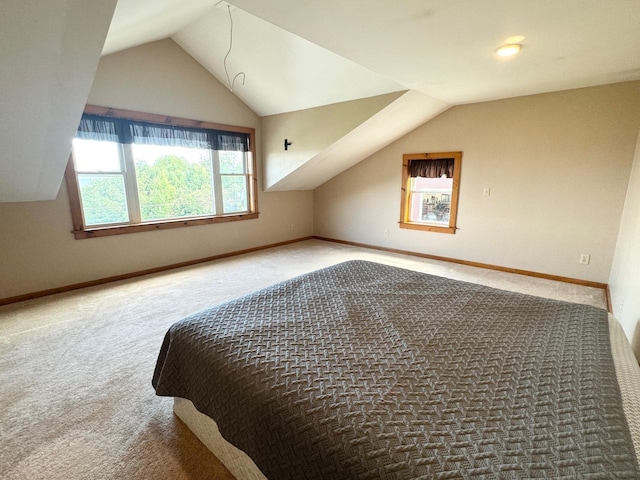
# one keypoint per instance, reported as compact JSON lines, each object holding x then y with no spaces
{"x":75,"y":368}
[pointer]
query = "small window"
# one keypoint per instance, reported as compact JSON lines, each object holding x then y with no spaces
{"x":131,"y":172}
{"x":430,"y":184}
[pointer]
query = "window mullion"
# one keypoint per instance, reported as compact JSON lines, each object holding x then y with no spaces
{"x":248,"y":182}
{"x":131,"y":183}
{"x":217,"y":183}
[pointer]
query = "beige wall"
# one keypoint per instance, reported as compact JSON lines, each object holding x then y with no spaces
{"x":38,"y":250}
{"x":624,"y":282}
{"x":557,"y":165}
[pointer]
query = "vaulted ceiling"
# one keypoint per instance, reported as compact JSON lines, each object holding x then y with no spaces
{"x":300,"y":54}
{"x":288,"y":55}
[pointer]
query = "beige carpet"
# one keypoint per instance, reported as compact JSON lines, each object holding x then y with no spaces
{"x":75,"y":369}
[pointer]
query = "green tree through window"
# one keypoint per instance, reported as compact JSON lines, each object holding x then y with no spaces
{"x":104,"y":199}
{"x":132,"y":171}
{"x":174,"y":187}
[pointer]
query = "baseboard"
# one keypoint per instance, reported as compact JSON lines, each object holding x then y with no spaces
{"x":576,"y":281}
{"x":609,"y":302}
{"x":126,"y":276}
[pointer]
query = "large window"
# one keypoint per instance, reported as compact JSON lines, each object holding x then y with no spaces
{"x":137,"y":172}
{"x":430,"y":184}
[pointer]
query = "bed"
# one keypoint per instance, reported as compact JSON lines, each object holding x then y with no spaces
{"x":368,"y":371}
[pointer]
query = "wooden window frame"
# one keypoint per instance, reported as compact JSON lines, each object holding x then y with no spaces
{"x":405,"y":201}
{"x":81,"y":231}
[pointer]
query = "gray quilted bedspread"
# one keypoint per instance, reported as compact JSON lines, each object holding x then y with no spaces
{"x":366,"y":371}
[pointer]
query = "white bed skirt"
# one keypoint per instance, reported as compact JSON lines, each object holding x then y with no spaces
{"x":628,"y":373}
{"x":206,"y":429}
{"x":243,"y":468}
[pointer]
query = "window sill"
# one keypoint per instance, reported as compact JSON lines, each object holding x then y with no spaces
{"x":90,"y":232}
{"x":427,"y":227}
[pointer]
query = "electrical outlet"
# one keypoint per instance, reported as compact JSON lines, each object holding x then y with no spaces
{"x":486,"y":191}
{"x":585,"y":259}
{"x":293,"y":226}
{"x":385,"y":232}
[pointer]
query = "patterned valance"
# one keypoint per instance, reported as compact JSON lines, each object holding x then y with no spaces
{"x":432,"y":168}
{"x":96,"y":127}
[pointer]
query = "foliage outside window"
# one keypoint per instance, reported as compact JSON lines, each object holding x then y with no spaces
{"x":430,"y":183}
{"x":132,"y":171}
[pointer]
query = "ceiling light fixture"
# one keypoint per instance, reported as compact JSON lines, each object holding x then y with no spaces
{"x":509,"y":49}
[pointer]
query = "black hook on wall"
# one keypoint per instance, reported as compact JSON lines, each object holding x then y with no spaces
{"x":286,"y":144}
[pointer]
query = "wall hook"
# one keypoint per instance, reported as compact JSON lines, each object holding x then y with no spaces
{"x":286,"y":144}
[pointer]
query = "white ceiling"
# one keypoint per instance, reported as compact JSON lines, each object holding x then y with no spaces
{"x":299,"y":54}
{"x":49,"y":52}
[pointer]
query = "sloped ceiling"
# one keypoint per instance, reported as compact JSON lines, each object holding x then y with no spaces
{"x":275,"y":71}
{"x":300,"y":54}
{"x":445,"y":49}
{"x":49,"y":52}
{"x":306,"y":54}
{"x":288,"y":55}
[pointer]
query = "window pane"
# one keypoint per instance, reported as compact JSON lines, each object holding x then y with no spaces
{"x":232,"y":162}
{"x":103,"y":199}
{"x":173,"y":182}
{"x":234,"y":193}
{"x":431,"y":200}
{"x":96,"y":155}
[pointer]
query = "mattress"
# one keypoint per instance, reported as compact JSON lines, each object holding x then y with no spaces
{"x":368,"y":371}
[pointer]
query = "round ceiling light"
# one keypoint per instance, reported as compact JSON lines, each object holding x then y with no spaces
{"x":509,"y":49}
